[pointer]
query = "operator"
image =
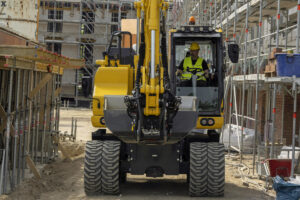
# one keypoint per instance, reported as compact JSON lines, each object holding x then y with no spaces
{"x":193,"y":62}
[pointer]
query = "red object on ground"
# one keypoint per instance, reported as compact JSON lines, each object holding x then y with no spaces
{"x":280,"y":167}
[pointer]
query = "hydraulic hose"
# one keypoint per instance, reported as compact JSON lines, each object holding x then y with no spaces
{"x":163,"y":49}
{"x":137,"y":82}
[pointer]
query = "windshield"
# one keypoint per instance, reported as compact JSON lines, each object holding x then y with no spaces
{"x":196,"y":74}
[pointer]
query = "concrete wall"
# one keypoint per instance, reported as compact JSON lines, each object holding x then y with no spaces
{"x":98,"y":52}
{"x":20,"y":16}
{"x":70,"y":50}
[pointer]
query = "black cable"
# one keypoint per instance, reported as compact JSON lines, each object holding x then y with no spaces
{"x":164,"y":54}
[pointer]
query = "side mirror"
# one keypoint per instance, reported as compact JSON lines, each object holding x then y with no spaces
{"x":104,"y":53}
{"x":233,"y":52}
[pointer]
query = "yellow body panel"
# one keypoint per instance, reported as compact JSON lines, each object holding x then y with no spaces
{"x":219,"y":121}
{"x":96,"y":121}
{"x":110,"y":81}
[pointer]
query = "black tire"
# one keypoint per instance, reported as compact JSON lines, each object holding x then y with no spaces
{"x":207,"y":169}
{"x":92,"y":167}
{"x":198,"y":169}
{"x":216,"y":169}
{"x":110,"y":167}
{"x":101,"y":167}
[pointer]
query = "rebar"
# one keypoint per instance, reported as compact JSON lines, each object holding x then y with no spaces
{"x":33,"y":121}
{"x":273,"y":119}
{"x":2,"y":171}
{"x":37,"y":134}
{"x":75,"y":131}
{"x":298,"y":28}
{"x":278,"y":23}
{"x":44,"y":125}
{"x":21,"y":132}
{"x":72,"y":126}
{"x":294,"y":124}
{"x":257,"y":85}
{"x":243,"y":90}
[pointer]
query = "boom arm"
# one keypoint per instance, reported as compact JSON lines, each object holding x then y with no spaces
{"x":152,"y":84}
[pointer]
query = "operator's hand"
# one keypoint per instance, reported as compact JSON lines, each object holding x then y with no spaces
{"x":179,"y":72}
{"x":206,"y":73}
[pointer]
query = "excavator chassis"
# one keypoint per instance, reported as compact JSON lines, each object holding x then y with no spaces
{"x":108,"y":160}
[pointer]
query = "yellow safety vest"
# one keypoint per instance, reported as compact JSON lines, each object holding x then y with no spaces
{"x":187,"y":63}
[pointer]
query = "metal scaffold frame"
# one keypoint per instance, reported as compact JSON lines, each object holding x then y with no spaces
{"x":258,"y":81}
{"x":257,"y":26}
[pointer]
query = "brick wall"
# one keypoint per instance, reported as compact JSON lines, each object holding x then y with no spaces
{"x":8,"y":38}
{"x":262,"y":106}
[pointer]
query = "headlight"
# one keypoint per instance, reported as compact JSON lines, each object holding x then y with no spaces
{"x":192,"y":29}
{"x":102,"y":121}
{"x":203,"y":122}
{"x":211,"y":122}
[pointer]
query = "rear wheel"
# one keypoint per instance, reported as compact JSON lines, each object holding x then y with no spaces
{"x":101,"y":167}
{"x":207,"y":169}
{"x":92,"y":167}
{"x":110,"y":167}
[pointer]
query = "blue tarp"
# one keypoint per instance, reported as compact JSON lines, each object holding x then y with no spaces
{"x":285,"y":190}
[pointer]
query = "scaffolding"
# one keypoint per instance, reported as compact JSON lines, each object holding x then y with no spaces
{"x":30,"y":89}
{"x":253,"y":92}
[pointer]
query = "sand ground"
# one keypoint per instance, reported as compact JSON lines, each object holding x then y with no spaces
{"x":63,"y":179}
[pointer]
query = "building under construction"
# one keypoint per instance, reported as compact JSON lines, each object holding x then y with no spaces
{"x":80,"y":29}
{"x":48,"y":56}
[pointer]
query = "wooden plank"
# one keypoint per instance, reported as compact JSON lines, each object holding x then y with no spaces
{"x":32,"y":167}
{"x":61,"y":148}
{"x":18,"y":50}
{"x":40,"y":85}
{"x":19,"y":62}
{"x":22,"y":63}
{"x":41,"y":55}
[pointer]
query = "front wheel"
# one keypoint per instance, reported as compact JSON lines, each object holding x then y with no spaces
{"x":207,"y":169}
{"x":101,"y":167}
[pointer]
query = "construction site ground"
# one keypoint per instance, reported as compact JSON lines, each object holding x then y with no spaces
{"x":63,"y":179}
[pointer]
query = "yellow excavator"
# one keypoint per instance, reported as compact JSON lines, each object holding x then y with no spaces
{"x":150,"y":123}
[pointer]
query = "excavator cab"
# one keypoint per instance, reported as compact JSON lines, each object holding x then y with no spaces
{"x":209,"y":87}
